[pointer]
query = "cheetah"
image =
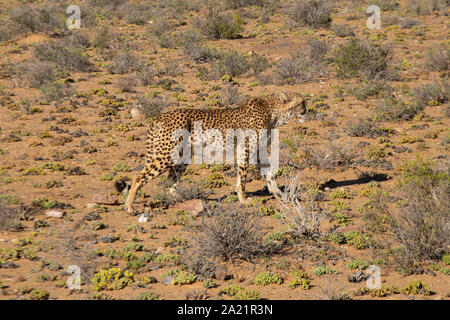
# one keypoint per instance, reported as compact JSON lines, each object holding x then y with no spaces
{"x":255,"y":113}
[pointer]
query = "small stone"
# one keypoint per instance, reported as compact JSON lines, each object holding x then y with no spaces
{"x":159,"y":250}
{"x":142,"y":219}
{"x":108,"y":239}
{"x":194,"y":206}
{"x":91,"y":216}
{"x":91,"y":205}
{"x":105,"y":199}
{"x":135,"y":112}
{"x":220,"y":273}
{"x":54,"y":213}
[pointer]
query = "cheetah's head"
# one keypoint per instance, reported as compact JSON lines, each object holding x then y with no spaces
{"x":288,"y":106}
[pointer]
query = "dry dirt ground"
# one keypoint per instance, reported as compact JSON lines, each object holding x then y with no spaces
{"x":64,"y":154}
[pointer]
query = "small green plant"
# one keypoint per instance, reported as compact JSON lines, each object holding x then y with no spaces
{"x":301,"y":279}
{"x":382,"y":292}
{"x":112,"y":279}
{"x":357,"y":239}
{"x":209,"y":283}
{"x":266,"y":278}
{"x":121,"y":167}
{"x":446,"y":258}
{"x":149,"y":296}
{"x":184,"y":277}
{"x":416,"y":287}
{"x":339,"y":194}
{"x":324,"y":269}
{"x":214,"y":181}
{"x":240,"y":293}
{"x":39,"y":294}
{"x":337,"y":237}
{"x":357,"y":264}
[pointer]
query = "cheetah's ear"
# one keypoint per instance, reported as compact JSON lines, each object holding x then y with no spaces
{"x":283,"y":97}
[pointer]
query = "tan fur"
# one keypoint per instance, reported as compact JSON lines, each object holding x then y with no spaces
{"x":255,"y":113}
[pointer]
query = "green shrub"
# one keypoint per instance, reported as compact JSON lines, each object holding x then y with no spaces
{"x":301,"y":280}
{"x":265,"y":278}
{"x":311,"y":13}
{"x":361,"y":58}
{"x":321,"y":270}
{"x":357,"y":264}
{"x":218,"y":24}
{"x":416,"y":287}
{"x":240,"y":293}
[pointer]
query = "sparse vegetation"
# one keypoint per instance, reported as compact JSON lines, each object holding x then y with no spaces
{"x":372,"y":150}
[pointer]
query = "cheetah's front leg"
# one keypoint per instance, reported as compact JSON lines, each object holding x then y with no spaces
{"x":240,"y":184}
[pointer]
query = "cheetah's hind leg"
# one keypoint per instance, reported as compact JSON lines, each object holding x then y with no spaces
{"x":175,"y":174}
{"x":151,"y":171}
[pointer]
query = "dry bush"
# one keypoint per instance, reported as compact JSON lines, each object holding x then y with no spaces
{"x":424,"y":7}
{"x":394,"y":109}
{"x":93,"y":9}
{"x":54,"y":91}
{"x":104,"y":37}
{"x":191,"y":42}
{"x":160,"y":25}
{"x":363,"y":128}
{"x":230,"y":63}
{"x":152,"y":106}
{"x":305,"y":65}
{"x":235,"y":4}
{"x":37,"y":73}
{"x":408,"y":23}
{"x":230,"y":95}
{"x":432,"y":94}
{"x":385,"y":5}
{"x":311,"y":13}
{"x":125,"y":62}
{"x":370,"y":88}
{"x":63,"y":56}
{"x":147,"y":75}
{"x":199,"y":264}
{"x":330,"y":157}
{"x":127,"y":84}
{"x":438,"y":58}
{"x":419,"y":223}
{"x":362,"y":58}
{"x":134,"y":13}
{"x":187,"y":191}
{"x":10,"y":217}
{"x":302,"y":213}
{"x":47,"y":17}
{"x":218,"y":24}
{"x":231,"y":232}
{"x":342,"y":30}
{"x":258,"y":64}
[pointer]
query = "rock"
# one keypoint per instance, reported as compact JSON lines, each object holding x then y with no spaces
{"x":135,"y":112}
{"x":108,"y":239}
{"x":91,"y":205}
{"x":91,"y":216}
{"x":8,"y":264}
{"x":54,"y":213}
{"x":142,"y":219}
{"x":357,"y":277}
{"x":220,"y":273}
{"x":194,"y":206}
{"x":105,"y":199}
